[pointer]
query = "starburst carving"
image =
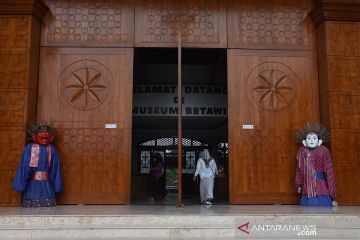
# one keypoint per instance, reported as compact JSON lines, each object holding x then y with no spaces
{"x":272,"y":89}
{"x":85,"y":88}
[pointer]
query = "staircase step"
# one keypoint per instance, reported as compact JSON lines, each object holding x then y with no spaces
{"x":194,"y":222}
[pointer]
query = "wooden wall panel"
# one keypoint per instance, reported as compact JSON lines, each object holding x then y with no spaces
{"x":108,"y":23}
{"x":19,"y":46}
{"x":343,"y":39}
{"x":274,"y":24}
{"x":12,"y":141}
{"x":339,"y":84}
{"x":13,"y":69}
{"x":82,"y":89}
{"x":276,"y":92}
{"x":14,"y":33}
{"x":203,"y":23}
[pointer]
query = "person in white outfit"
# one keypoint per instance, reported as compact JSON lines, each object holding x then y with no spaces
{"x":207,"y":169}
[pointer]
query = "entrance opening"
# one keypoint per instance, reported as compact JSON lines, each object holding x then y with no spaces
{"x":154,"y":134}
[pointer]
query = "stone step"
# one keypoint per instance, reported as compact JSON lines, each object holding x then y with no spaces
{"x":152,"y":226}
{"x":192,"y":223}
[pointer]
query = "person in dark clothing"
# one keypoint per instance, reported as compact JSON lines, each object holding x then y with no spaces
{"x":158,"y":177}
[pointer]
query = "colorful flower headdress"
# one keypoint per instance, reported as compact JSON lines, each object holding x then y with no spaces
{"x":313,"y":127}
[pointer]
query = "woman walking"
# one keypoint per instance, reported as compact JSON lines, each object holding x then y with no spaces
{"x":207,"y":169}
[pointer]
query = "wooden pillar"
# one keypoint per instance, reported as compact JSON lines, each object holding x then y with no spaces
{"x":338,"y":41}
{"x":179,"y":124}
{"x":19,"y":59}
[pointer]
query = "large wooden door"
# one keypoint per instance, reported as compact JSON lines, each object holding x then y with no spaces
{"x":276,"y":92}
{"x":83,"y":90}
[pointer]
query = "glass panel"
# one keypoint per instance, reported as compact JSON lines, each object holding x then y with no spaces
{"x":223,"y":150}
{"x":189,"y":162}
{"x":145,"y":161}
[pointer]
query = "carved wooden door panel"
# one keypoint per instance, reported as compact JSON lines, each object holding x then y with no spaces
{"x":276,"y":92}
{"x":202,"y":23}
{"x":82,"y":90}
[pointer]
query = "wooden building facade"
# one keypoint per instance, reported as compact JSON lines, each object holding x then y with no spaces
{"x":313,"y":47}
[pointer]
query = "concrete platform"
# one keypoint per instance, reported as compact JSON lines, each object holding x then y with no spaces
{"x":190,"y":222}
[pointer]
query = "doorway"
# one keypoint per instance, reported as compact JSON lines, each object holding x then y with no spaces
{"x":155,"y":121}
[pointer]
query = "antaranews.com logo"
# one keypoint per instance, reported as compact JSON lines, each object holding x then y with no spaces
{"x":298,"y":229}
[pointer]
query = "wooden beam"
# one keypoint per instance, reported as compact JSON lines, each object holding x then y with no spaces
{"x":35,"y":8}
{"x":335,"y":11}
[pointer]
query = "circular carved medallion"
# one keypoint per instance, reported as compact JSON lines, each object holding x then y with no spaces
{"x":84,"y":84}
{"x":271,"y":86}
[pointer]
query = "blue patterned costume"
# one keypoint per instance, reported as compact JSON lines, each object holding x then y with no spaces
{"x":38,"y":176}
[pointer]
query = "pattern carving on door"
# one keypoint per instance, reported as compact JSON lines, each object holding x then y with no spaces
{"x":276,"y":92}
{"x":82,"y":89}
{"x":203,"y":23}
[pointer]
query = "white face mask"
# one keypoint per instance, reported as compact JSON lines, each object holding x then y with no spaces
{"x":312,"y":140}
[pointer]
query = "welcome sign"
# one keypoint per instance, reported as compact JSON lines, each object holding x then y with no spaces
{"x":162,"y":100}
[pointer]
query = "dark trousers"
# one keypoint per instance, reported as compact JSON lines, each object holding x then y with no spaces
{"x":158,"y":187}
